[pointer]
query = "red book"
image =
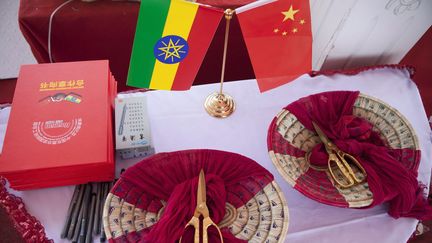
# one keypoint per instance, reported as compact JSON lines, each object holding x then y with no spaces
{"x":59,"y":129}
{"x":278,"y":38}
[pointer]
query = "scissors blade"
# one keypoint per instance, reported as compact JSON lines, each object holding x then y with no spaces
{"x":201,"y":193}
{"x":324,"y":139}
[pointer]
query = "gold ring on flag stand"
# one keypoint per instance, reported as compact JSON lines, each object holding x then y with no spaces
{"x":218,"y":104}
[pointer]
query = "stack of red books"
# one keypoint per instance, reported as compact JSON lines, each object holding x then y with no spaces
{"x":60,"y":127}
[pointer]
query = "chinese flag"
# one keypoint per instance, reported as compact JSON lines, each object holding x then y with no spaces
{"x":278,"y":38}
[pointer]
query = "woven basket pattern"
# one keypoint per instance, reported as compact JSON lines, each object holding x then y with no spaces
{"x":264,"y":218}
{"x":395,"y":131}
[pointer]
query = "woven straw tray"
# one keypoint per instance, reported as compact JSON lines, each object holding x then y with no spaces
{"x":394,"y":128}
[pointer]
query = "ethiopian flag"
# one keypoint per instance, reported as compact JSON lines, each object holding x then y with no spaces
{"x":171,"y":40}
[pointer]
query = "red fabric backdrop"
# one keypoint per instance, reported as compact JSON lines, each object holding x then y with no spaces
{"x":105,"y":30}
{"x":420,"y":57}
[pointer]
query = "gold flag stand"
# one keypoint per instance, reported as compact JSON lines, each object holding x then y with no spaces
{"x":218,"y":104}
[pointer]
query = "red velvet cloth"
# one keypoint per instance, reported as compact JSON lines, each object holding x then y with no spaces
{"x":389,"y":180}
{"x":173,"y":177}
{"x":105,"y":30}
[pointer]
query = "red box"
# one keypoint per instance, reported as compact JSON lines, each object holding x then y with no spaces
{"x":60,"y":127}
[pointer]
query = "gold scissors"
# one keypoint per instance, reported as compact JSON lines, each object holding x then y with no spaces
{"x":343,"y":162}
{"x":202,"y":210}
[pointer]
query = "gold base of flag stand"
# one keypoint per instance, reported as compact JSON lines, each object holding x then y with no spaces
{"x":218,"y":104}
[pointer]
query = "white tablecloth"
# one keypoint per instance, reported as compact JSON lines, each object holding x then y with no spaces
{"x":178,"y":121}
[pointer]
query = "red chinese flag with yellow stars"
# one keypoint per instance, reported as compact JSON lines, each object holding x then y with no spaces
{"x":278,"y":38}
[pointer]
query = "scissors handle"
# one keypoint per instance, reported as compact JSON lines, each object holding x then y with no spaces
{"x":350,"y":161}
{"x":194,"y":221}
{"x":343,"y":163}
{"x":343,"y":169}
{"x":342,"y":160}
{"x":207,"y":222}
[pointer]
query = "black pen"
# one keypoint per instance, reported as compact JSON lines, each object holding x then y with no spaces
{"x":75,"y":213}
{"x":96,"y":225}
{"x":103,"y":237}
{"x":78,"y":224}
{"x":84,"y":219}
{"x":91,"y":218}
{"x":72,"y":205}
{"x":111,"y":184}
{"x":102,"y":204}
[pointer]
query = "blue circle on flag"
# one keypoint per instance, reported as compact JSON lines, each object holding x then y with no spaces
{"x":171,"y":49}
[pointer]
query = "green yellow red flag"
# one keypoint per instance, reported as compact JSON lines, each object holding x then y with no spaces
{"x":171,"y":40}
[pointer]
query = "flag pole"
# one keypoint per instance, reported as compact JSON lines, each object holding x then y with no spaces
{"x":218,"y":104}
{"x":228,"y":16}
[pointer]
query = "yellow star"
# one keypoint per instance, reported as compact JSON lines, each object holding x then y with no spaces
{"x":171,"y":50}
{"x":302,"y":21}
{"x":284,"y":33}
{"x":276,"y":30}
{"x":289,"y":14}
{"x":294,"y":30}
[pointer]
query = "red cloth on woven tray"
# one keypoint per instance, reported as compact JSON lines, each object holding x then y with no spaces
{"x":173,"y":177}
{"x":389,"y":180}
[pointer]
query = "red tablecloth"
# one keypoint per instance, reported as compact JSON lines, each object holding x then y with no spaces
{"x":105,"y":30}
